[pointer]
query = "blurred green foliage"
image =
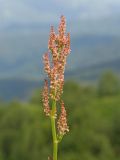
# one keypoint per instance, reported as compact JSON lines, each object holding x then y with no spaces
{"x":109,"y":84}
{"x":93,"y":116}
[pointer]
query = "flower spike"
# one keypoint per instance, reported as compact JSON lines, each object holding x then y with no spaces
{"x":45,"y":99}
{"x":54,"y":66}
{"x":62,"y":121}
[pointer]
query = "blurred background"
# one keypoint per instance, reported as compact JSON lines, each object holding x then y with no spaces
{"x":92,"y":86}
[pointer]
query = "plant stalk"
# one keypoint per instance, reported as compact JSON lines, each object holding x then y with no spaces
{"x":54,"y":134}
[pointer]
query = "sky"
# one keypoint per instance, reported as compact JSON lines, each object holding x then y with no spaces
{"x":29,"y":13}
{"x":25,"y":25}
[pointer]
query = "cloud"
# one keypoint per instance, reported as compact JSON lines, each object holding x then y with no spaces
{"x":78,"y":3}
{"x":87,"y":14}
{"x":36,"y":11}
{"x":91,"y":9}
{"x":22,"y":11}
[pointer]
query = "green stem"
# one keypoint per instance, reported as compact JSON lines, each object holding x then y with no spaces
{"x":54,"y":134}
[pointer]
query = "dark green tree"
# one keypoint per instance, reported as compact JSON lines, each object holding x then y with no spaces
{"x":108,"y":84}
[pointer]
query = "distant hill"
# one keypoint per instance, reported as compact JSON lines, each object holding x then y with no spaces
{"x":21,"y":55}
{"x":22,"y":58}
{"x":19,"y":89}
{"x":93,"y":72}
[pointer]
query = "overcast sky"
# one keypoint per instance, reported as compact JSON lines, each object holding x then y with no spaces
{"x":34,"y":17}
{"x":23,"y":12}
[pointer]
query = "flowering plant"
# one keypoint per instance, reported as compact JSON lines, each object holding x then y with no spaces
{"x":54,"y":66}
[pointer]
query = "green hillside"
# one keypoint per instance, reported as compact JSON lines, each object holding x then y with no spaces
{"x":93,"y":116}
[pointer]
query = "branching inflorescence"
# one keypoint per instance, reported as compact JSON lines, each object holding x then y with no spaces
{"x":54,"y":66}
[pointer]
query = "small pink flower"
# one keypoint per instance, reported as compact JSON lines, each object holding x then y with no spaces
{"x":62,"y":27}
{"x":45,"y":99}
{"x":62,"y":121}
{"x":46,"y":63}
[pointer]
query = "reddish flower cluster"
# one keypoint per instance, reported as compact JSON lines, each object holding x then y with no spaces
{"x":62,"y":121}
{"x":46,"y":63}
{"x":59,"y":47}
{"x":46,"y":99}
